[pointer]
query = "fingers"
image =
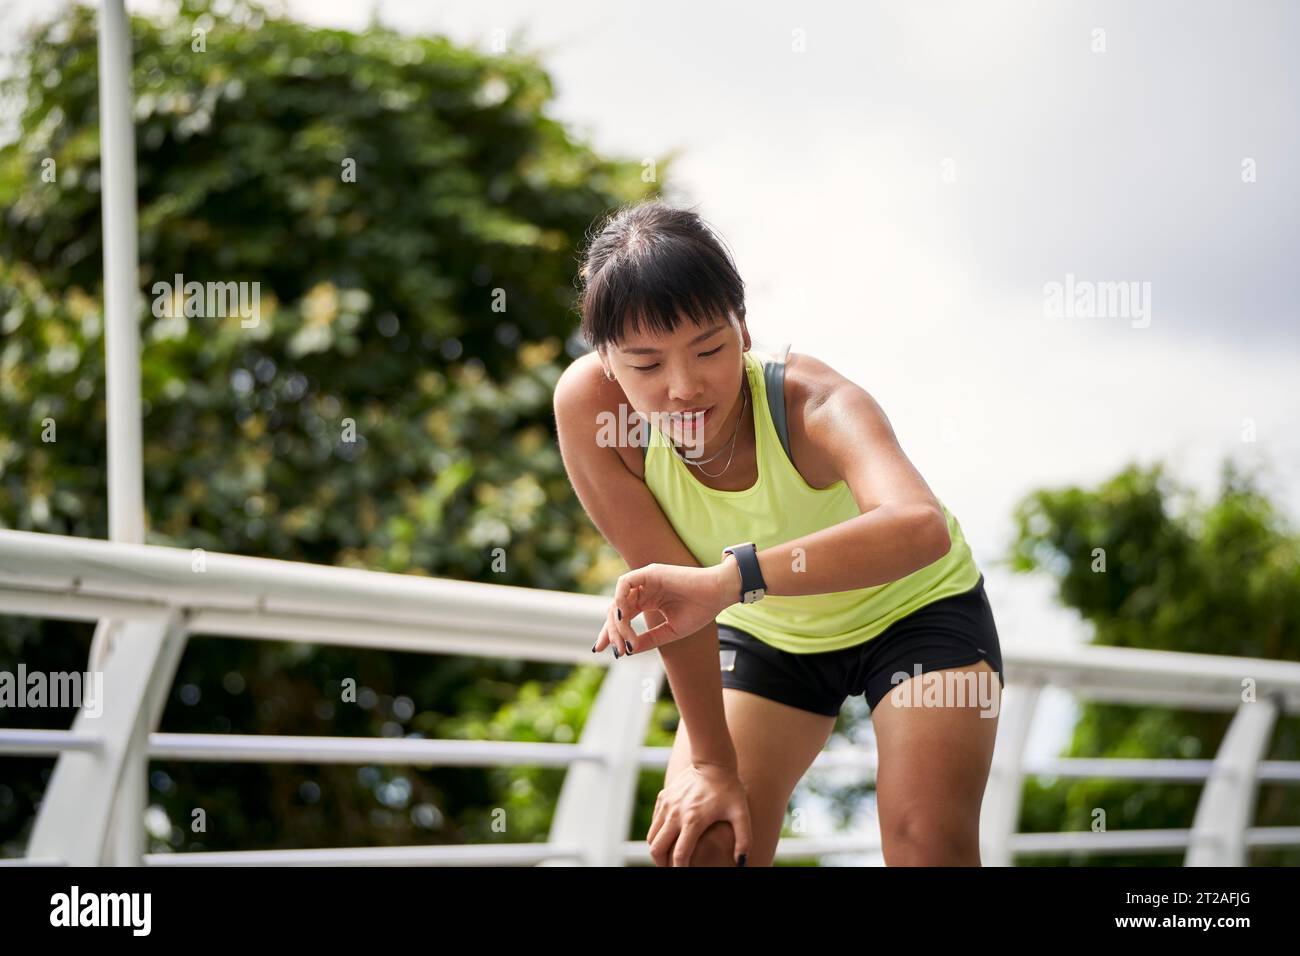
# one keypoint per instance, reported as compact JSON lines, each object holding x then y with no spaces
{"x":740,"y":826}
{"x":623,"y":589}
{"x":661,"y":847}
{"x":686,"y":840}
{"x":655,"y":636}
{"x":612,"y":635}
{"x":628,"y":602}
{"x":618,"y":627}
{"x":627,"y":605}
{"x":656,"y":819}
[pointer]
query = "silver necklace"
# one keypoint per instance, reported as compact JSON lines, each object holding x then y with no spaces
{"x":735,"y":433}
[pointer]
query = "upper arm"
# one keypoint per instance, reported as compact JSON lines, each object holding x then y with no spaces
{"x":850,"y":430}
{"x":618,"y":502}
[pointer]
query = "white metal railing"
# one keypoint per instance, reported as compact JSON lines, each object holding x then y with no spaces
{"x":148,"y":599}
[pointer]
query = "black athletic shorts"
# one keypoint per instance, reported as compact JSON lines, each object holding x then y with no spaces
{"x":946,"y":633}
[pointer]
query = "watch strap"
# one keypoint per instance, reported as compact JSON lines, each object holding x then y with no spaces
{"x":752,"y":586}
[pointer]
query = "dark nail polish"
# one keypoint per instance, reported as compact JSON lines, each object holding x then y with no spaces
{"x":619,"y":612}
{"x":628,"y":645}
{"x":593,"y":647}
{"x":742,"y":859}
{"x":614,"y":648}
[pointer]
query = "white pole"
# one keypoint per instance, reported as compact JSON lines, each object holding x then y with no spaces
{"x":121,"y":267}
{"x":121,"y":368}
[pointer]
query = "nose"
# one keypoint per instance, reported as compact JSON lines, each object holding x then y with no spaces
{"x":683,"y":388}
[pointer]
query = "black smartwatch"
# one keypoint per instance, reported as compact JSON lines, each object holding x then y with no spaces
{"x":752,"y":585}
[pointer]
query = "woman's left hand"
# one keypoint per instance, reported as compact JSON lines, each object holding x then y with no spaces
{"x":688,"y":598}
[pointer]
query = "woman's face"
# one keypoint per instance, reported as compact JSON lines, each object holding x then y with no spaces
{"x":695,"y":368}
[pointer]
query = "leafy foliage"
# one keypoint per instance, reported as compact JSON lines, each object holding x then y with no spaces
{"x":1178,"y":575}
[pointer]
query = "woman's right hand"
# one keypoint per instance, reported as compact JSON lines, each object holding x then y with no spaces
{"x":698,"y":797}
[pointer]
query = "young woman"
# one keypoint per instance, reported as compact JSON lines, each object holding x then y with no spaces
{"x":847,"y":575}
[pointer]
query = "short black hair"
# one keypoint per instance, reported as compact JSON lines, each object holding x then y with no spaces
{"x":649,"y":264}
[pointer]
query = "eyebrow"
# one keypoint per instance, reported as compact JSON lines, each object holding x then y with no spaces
{"x":699,"y":338}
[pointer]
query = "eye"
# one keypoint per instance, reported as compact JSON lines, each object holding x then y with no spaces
{"x":651,"y":368}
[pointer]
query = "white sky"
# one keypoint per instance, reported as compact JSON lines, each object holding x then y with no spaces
{"x":823,"y":171}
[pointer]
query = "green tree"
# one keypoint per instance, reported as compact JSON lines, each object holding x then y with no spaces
{"x":1180,"y":575}
{"x":411,"y":215}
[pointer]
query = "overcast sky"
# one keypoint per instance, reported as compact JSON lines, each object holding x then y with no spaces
{"x":899,"y":192}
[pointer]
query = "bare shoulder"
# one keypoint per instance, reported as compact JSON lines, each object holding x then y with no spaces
{"x":809,"y":382}
{"x":583,"y":389}
{"x":578,"y":381}
{"x":582,"y":394}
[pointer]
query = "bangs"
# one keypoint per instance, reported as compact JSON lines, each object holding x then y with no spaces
{"x":654,"y":294}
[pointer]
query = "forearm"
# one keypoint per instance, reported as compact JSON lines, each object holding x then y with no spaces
{"x":695,"y":677}
{"x":885,"y":544}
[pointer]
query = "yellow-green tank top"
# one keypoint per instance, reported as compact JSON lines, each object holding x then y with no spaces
{"x":779,"y":508}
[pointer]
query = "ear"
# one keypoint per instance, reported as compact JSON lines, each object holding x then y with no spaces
{"x":604,"y":364}
{"x":742,"y":331}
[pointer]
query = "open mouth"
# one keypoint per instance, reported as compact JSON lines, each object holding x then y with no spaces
{"x":689,"y":421}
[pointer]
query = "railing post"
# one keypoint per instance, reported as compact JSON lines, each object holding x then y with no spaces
{"x":1227,"y":803}
{"x":122,"y":354}
{"x":1000,"y":811}
{"x":596,"y":802}
{"x":91,"y":792}
{"x":121,"y":277}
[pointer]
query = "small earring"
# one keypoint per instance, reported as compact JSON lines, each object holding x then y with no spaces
{"x":608,"y":377}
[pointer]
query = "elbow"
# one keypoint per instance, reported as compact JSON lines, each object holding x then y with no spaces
{"x":935,"y":533}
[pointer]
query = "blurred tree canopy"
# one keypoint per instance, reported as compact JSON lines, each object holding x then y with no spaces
{"x":1180,"y":575}
{"x":412,"y":216}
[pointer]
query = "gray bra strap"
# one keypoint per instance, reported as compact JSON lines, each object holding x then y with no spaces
{"x":774,"y":380}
